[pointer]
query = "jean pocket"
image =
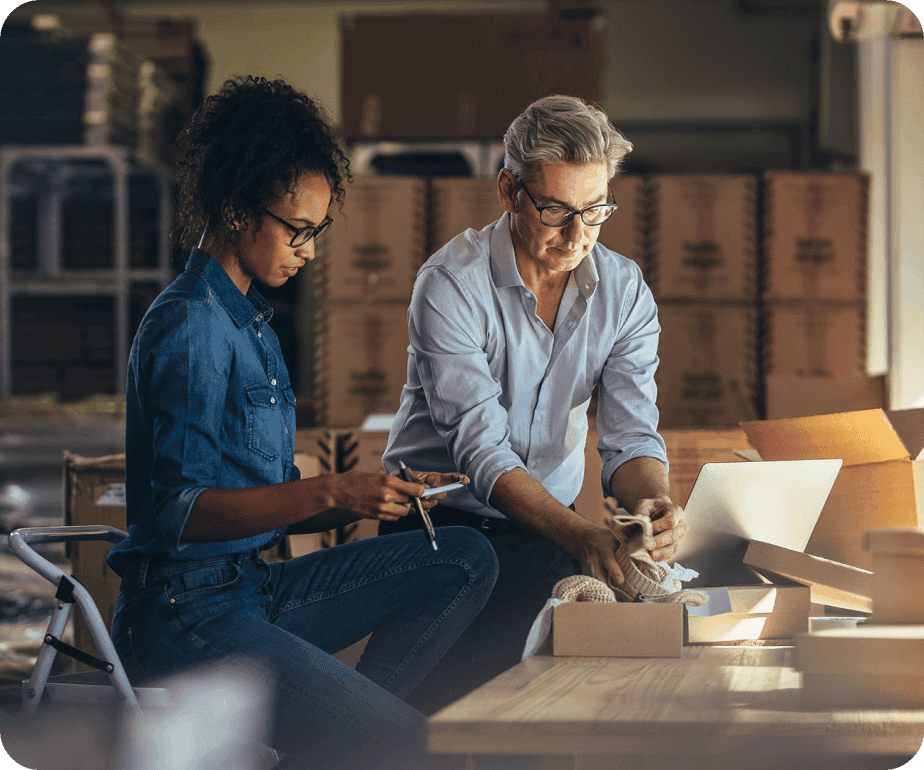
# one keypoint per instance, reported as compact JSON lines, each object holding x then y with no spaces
{"x":125,"y":648}
{"x":197,"y":582}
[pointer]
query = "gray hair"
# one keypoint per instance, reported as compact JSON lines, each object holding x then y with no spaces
{"x":562,"y":129}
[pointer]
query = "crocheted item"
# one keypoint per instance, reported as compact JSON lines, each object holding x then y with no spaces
{"x":644,"y":578}
{"x":583,"y":588}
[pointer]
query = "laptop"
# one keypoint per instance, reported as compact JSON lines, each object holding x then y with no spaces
{"x":778,"y":502}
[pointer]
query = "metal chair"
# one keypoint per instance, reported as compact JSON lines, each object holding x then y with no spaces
{"x":109,"y":683}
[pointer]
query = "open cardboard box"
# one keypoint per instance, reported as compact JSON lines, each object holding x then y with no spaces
{"x":756,"y":612}
{"x":881,"y":483}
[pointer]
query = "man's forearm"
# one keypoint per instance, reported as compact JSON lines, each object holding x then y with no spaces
{"x":524,"y":500}
{"x":642,"y":478}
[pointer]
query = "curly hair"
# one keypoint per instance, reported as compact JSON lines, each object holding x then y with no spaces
{"x":244,"y":148}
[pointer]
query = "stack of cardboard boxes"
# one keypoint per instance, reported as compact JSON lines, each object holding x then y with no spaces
{"x":625,"y":232}
{"x":814,"y":293}
{"x":371,"y":257}
{"x":458,"y":204}
{"x":702,"y":269}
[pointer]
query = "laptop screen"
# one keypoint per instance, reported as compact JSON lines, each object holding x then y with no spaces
{"x":731,"y":504}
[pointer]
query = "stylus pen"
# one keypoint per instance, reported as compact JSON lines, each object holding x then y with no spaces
{"x":428,"y":525}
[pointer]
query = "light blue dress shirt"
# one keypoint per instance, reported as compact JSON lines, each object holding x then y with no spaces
{"x":490,"y":388}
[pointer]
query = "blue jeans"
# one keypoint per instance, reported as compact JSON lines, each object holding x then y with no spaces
{"x":530,"y":566}
{"x":291,"y":616}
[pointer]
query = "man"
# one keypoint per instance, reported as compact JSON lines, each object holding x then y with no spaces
{"x":511,"y":328}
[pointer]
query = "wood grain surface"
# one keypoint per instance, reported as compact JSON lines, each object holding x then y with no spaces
{"x":711,"y":702}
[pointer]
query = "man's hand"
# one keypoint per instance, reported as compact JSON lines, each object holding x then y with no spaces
{"x":668,"y":524}
{"x":596,"y":551}
{"x":380,"y":496}
{"x":432,"y":479}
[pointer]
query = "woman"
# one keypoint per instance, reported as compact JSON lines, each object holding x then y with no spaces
{"x":210,"y":479}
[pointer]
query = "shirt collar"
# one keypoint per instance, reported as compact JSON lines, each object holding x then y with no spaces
{"x":503,"y":259}
{"x":243,"y":310}
{"x":504,"y":262}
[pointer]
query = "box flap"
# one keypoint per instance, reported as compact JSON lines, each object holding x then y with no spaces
{"x":909,"y":424}
{"x":855,"y":437}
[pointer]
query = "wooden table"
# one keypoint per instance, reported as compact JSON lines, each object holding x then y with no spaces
{"x":715,"y":707}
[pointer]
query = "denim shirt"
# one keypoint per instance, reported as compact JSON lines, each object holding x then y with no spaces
{"x":209,"y":405}
{"x":491,"y":388}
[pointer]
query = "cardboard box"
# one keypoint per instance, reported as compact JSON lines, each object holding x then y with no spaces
{"x":707,"y":375}
{"x":881,"y":483}
{"x":703,"y":242}
{"x":364,"y":360}
{"x":94,"y":494}
{"x":832,"y":584}
{"x":626,"y":232}
{"x":793,"y":396}
{"x":373,"y":251}
{"x":458,"y":204}
{"x":867,"y":649}
{"x":815,"y":235}
{"x":335,"y":451}
{"x":618,"y":629}
{"x":757,"y":612}
{"x":460,"y":74}
{"x":870,"y":666}
{"x":862,"y":691}
{"x":898,"y":574}
{"x":814,"y":339}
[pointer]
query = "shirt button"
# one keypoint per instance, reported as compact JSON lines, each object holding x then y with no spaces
{"x":273,"y":381}
{"x":287,"y":431}
{"x":533,"y":463}
{"x":260,"y":335}
{"x":273,"y":399}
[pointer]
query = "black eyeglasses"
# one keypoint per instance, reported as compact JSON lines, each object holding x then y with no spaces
{"x":302,"y":234}
{"x":559,"y":216}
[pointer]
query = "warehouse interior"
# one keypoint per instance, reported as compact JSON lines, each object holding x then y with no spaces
{"x":772,"y":200}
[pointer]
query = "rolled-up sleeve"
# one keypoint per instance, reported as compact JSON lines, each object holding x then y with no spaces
{"x":627,"y":414}
{"x":448,"y":335}
{"x":186,"y":380}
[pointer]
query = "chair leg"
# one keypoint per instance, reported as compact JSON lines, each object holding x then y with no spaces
{"x":32,"y":691}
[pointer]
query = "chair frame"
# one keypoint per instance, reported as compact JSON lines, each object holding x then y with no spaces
{"x":70,"y":592}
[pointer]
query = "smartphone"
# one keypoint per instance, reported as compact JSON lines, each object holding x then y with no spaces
{"x":440,"y":490}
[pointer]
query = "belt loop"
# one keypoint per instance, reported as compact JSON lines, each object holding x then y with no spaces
{"x":143,"y":572}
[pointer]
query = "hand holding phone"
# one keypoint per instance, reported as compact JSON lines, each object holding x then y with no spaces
{"x":440,"y":490}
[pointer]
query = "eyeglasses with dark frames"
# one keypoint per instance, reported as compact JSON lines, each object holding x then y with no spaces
{"x":560,"y":215}
{"x":301,"y":234}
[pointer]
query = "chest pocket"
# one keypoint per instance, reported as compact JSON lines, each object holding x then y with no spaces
{"x":265,"y":418}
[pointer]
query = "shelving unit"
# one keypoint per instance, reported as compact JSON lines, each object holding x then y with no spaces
{"x":46,"y":174}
